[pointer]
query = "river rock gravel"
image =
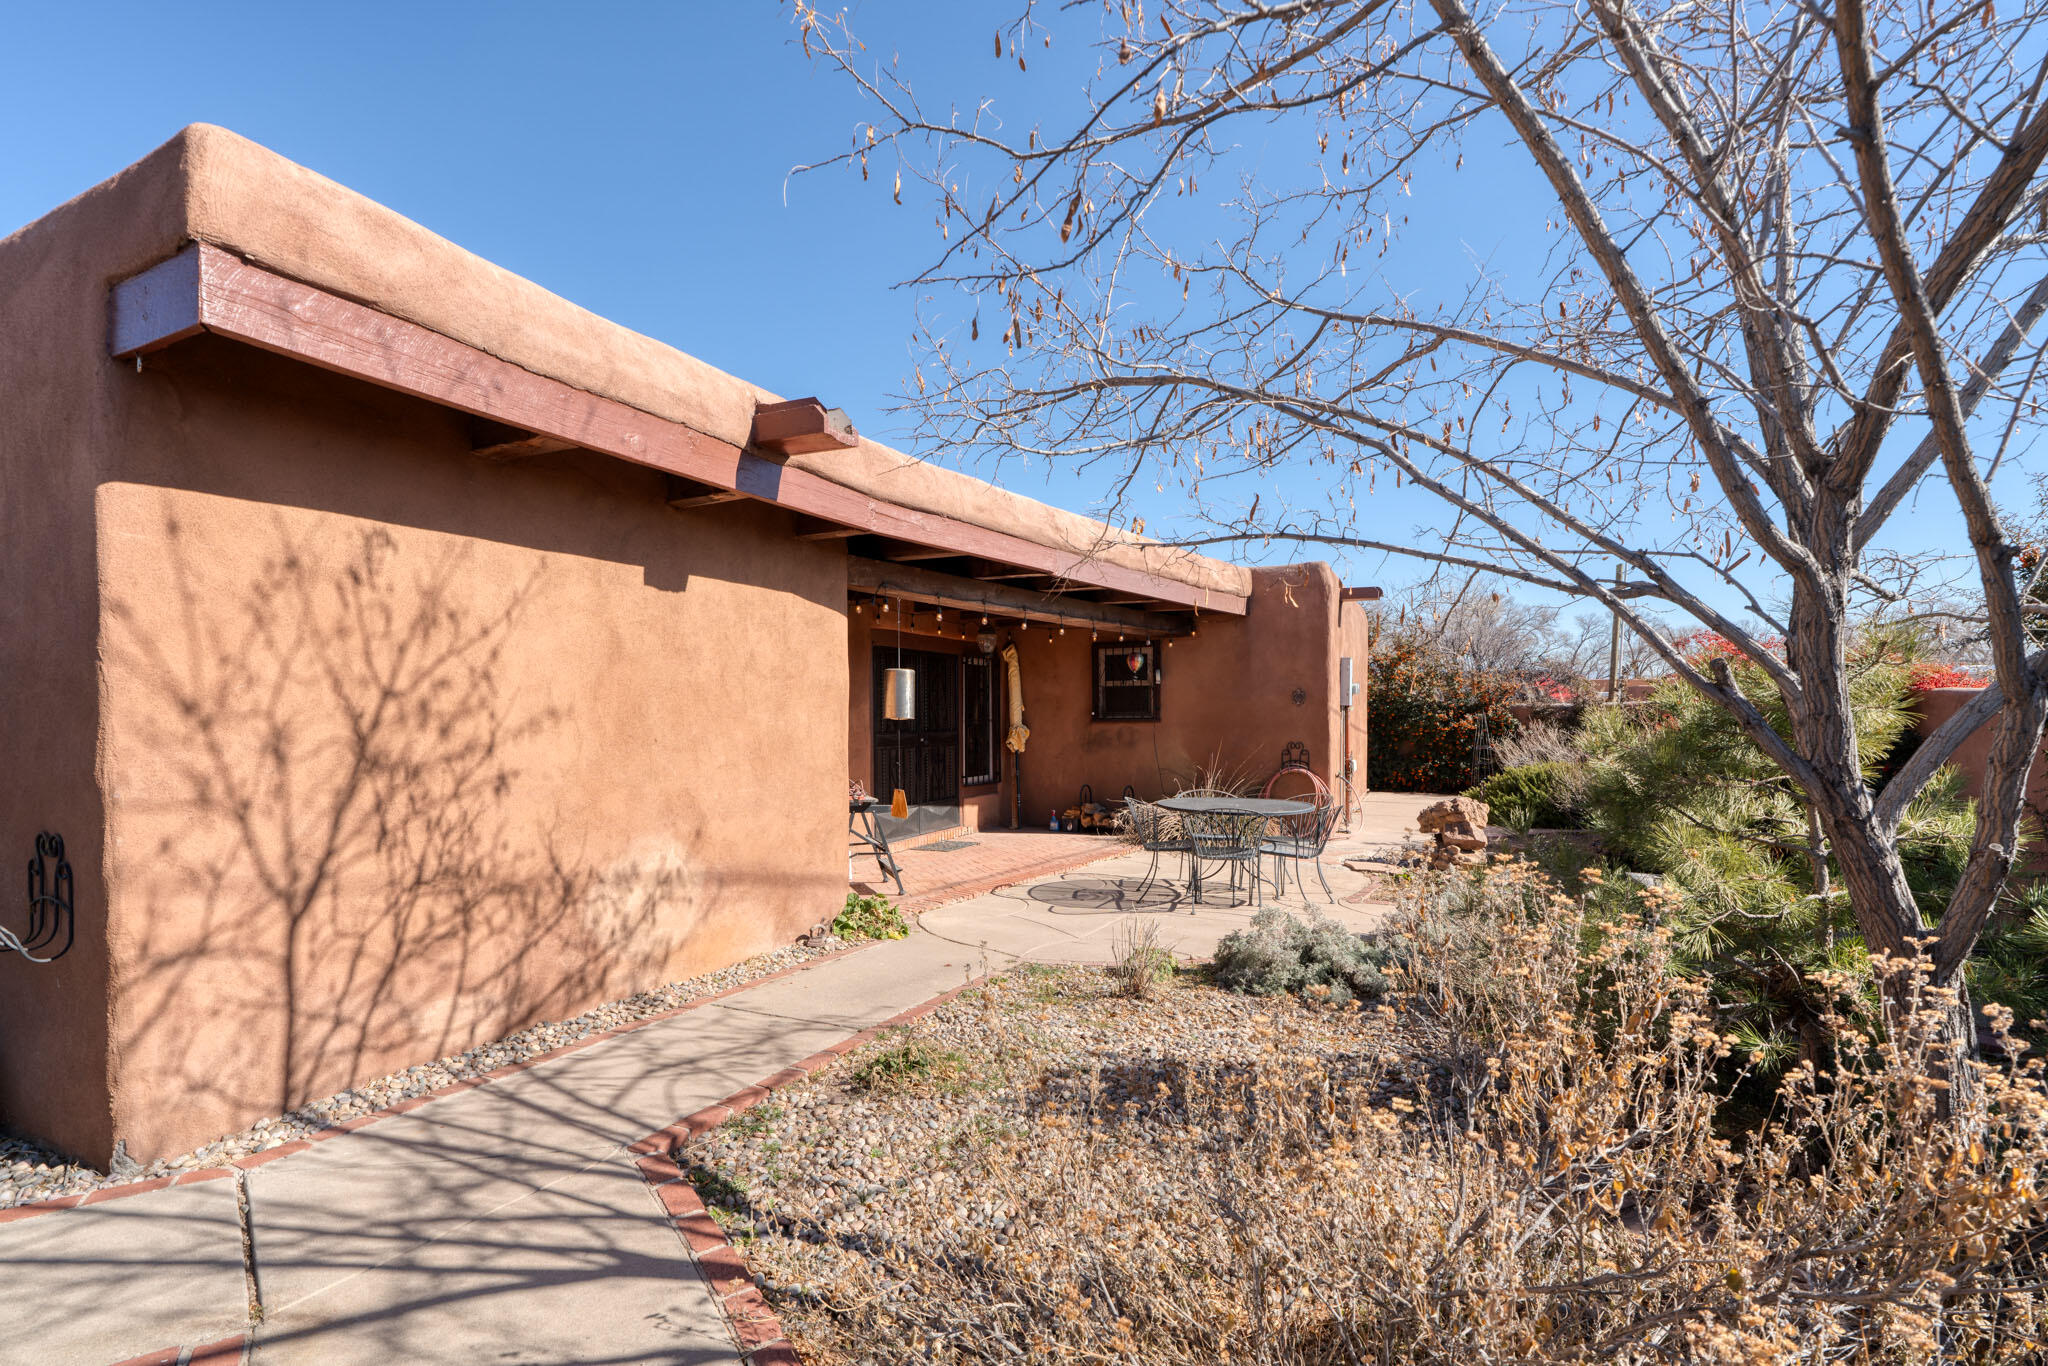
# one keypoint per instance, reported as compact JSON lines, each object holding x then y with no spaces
{"x":30,"y":1171}
{"x":856,"y":1163}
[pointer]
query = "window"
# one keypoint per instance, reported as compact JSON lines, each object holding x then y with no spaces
{"x":1127,"y":681}
{"x":980,"y":701}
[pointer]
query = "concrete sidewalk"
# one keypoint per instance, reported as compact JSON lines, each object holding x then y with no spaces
{"x":508,"y":1222}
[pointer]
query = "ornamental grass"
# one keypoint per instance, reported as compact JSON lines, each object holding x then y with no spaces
{"x":1524,"y":1158}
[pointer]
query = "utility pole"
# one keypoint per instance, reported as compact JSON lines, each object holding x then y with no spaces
{"x":1614,"y":646}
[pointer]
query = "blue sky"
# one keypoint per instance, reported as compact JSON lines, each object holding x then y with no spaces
{"x":634,"y":158}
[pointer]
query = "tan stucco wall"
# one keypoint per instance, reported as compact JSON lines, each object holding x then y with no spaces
{"x":53,"y":377}
{"x":1225,"y":700}
{"x":1354,"y":638}
{"x":612,"y":753}
{"x":403,"y":751}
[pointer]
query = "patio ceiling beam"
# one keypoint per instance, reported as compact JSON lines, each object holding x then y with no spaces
{"x":921,"y":552}
{"x":811,"y":529}
{"x":205,"y":289}
{"x":884,"y":579}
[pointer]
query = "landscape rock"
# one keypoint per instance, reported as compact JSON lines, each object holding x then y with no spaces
{"x":1459,"y":827}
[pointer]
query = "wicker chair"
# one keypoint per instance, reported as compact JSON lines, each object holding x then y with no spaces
{"x":1299,"y":840}
{"x":1233,"y":837}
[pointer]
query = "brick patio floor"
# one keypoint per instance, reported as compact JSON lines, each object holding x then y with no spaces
{"x":996,"y":858}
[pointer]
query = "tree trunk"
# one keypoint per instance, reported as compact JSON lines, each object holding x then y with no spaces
{"x":1890,"y":922}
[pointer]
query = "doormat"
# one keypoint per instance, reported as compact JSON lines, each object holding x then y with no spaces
{"x":942,"y":846}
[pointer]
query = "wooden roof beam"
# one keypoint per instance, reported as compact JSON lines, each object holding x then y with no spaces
{"x":205,"y":289}
{"x":688,"y":493}
{"x":802,"y":426}
{"x":812,"y":529}
{"x":884,"y":579}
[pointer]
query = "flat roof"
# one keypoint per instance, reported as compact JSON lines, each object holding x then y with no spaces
{"x":212,"y":187}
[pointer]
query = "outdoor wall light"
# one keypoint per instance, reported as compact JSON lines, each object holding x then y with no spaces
{"x":986,"y":640}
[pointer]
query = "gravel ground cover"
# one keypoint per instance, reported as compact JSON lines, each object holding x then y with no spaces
{"x":931,"y":1146}
{"x":30,"y":1171}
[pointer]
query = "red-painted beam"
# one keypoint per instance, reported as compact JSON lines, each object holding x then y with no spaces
{"x":205,"y":289}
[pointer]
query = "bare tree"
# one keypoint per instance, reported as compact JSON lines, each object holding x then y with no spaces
{"x":1794,"y":267}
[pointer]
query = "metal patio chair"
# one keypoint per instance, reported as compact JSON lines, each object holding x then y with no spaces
{"x":1299,"y":840}
{"x":1233,"y":837}
{"x":1156,"y":832}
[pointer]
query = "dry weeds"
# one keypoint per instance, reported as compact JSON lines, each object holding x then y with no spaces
{"x":1518,"y":1161}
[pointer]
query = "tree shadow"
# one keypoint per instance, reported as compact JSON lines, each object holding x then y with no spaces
{"x":337,"y":835}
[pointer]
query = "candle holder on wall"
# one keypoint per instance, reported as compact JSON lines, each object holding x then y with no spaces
{"x":49,"y":905}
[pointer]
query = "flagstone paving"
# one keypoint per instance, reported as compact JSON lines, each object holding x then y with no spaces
{"x":507,"y":1222}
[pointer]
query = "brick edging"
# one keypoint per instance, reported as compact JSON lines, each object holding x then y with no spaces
{"x":756,"y":1327}
{"x":101,"y":1194}
{"x":222,"y":1353}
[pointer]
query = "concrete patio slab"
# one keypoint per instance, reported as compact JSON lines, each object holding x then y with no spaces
{"x":107,"y":1282}
{"x":584,"y":1270}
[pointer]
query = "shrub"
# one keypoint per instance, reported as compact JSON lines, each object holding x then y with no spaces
{"x":1138,"y":961}
{"x":1545,"y":794}
{"x":1319,"y":957}
{"x":1541,"y":742}
{"x":913,"y":1065}
{"x":1422,"y":716}
{"x":869,"y":917}
{"x":1672,"y":787}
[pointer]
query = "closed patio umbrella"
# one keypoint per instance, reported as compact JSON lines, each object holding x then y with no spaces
{"x":1019,"y":736}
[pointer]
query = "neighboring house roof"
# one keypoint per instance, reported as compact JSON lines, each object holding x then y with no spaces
{"x":227,"y":191}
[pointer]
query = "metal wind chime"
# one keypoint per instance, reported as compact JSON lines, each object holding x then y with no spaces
{"x":899,"y":703}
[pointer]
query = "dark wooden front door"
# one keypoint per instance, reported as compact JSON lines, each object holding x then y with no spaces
{"x":921,"y":755}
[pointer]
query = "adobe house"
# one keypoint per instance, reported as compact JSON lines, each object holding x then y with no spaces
{"x":405,"y":654}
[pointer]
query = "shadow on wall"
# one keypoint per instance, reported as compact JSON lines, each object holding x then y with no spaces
{"x":338,"y":847}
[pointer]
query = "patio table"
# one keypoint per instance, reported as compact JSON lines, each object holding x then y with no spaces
{"x":1250,"y":806}
{"x":1272,"y":808}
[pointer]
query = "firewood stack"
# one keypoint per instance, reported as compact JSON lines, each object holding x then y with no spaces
{"x":1459,"y":825}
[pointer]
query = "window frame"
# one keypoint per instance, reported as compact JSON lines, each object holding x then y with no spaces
{"x":1099,"y":682}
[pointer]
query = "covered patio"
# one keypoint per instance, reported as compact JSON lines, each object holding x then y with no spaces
{"x":1071,"y":874}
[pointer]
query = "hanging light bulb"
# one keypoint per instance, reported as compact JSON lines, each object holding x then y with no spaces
{"x":984,"y":618}
{"x":938,"y":617}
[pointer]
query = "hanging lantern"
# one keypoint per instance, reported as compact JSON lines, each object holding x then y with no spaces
{"x":899,"y":694}
{"x":1134,"y":661}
